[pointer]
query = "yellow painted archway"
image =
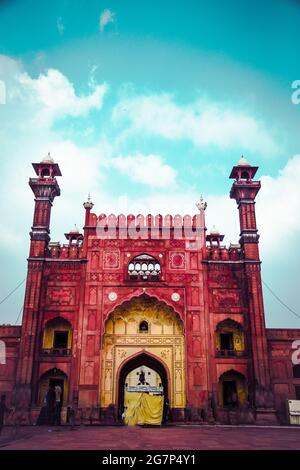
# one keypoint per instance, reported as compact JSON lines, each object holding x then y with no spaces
{"x":143,"y":325}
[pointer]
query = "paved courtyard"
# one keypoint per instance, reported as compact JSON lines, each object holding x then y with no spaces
{"x":168,"y":438}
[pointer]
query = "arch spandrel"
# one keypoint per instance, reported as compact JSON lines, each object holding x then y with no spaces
{"x":160,"y":295}
{"x":144,"y":308}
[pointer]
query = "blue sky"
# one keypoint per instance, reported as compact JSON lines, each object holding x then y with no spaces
{"x":147,"y":105}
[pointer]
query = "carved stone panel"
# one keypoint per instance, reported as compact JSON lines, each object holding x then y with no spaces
{"x":225,"y":298}
{"x":111,"y":259}
{"x":177,"y":260}
{"x":60,"y":296}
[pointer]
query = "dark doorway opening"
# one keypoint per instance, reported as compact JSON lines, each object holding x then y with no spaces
{"x":226,"y":340}
{"x":297,"y":392}
{"x":142,"y":359}
{"x":230,"y":393}
{"x":143,"y":328}
{"x":60,"y":339}
{"x":296,"y":371}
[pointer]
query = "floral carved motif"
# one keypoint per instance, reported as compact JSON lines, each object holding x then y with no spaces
{"x":177,"y":260}
{"x":111,"y":259}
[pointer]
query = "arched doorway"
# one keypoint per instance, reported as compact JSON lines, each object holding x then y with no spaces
{"x":51,"y":378}
{"x":140,"y":362}
{"x":143,"y":326}
{"x":232,"y":389}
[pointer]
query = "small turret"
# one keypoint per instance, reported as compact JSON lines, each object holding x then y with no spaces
{"x":74,"y":236}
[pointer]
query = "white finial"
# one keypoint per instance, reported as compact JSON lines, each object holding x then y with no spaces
{"x":201,"y":205}
{"x":48,"y":159}
{"x":214,"y":230}
{"x":75,"y":229}
{"x":243,"y":162}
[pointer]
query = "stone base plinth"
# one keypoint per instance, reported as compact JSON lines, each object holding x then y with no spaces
{"x":266,"y":416}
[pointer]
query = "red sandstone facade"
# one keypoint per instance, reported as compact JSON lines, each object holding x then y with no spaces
{"x":214,"y":290}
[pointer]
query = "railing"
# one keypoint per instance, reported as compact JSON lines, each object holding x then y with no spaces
{"x":229,"y":353}
{"x":56,"y":352}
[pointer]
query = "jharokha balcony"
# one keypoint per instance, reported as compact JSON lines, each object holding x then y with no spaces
{"x":56,"y":352}
{"x":144,"y":268}
{"x":230,"y":353}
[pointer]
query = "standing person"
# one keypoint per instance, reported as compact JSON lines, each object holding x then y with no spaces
{"x":166,"y":411}
{"x":50,"y":404}
{"x":3,"y":410}
{"x":188,"y":412}
{"x":58,"y":392}
{"x":72,"y":415}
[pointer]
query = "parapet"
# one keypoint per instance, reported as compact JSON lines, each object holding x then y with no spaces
{"x":10,"y":331}
{"x":149,"y":226}
{"x":223,"y":253}
{"x":58,"y":251}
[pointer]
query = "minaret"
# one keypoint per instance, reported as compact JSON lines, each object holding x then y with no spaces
{"x":244,"y":191}
{"x":45,"y":189}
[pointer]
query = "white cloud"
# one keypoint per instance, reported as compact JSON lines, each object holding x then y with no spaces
{"x":278,"y":207}
{"x":146,"y":169}
{"x":204,"y":123}
{"x":106,"y":17}
{"x":56,"y":97}
{"x":32,"y":107}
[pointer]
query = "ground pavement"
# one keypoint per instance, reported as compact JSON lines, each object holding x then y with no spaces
{"x":165,"y":438}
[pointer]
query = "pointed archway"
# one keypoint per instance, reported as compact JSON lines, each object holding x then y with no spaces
{"x":139,"y":360}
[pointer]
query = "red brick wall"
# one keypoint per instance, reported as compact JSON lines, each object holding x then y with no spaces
{"x":11,"y":337}
{"x":281,"y":365}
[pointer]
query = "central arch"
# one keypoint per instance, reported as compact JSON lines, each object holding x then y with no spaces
{"x":138,"y":360}
{"x":143,"y":331}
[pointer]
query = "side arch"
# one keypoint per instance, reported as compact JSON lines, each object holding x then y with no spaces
{"x":232,"y":388}
{"x":53,"y":376}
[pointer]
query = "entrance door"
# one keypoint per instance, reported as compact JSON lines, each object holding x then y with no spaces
{"x":229,"y":393}
{"x":143,"y":370}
